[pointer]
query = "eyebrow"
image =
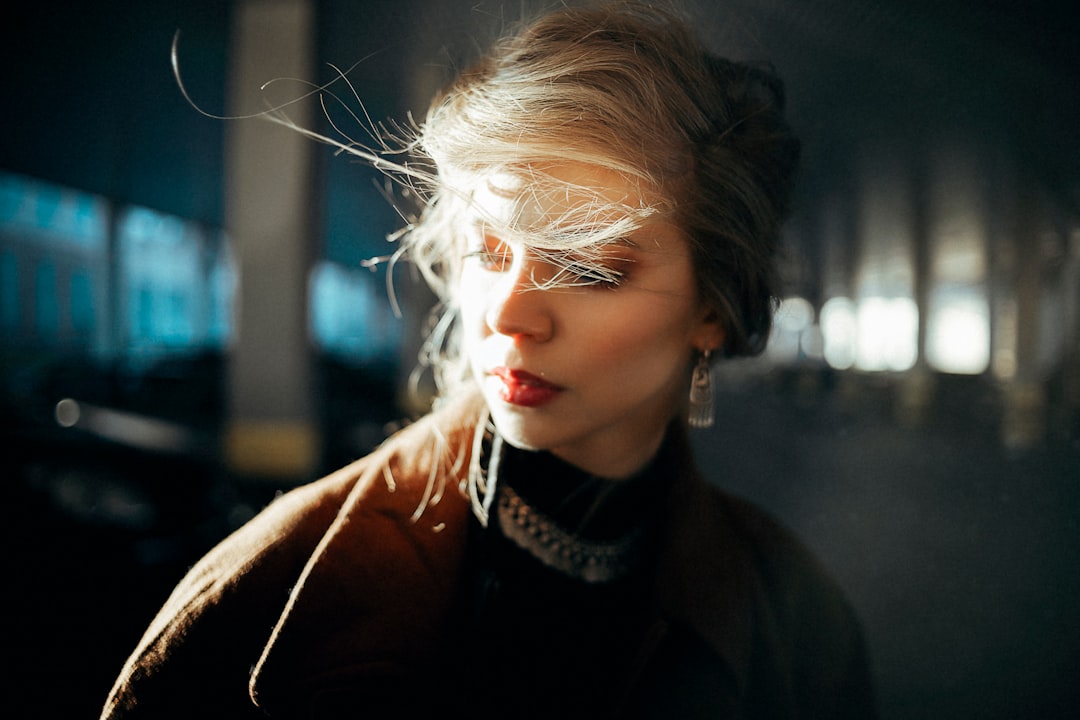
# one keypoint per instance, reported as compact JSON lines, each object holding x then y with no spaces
{"x":621,"y":241}
{"x":480,"y":224}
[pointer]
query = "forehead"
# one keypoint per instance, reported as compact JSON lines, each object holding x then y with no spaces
{"x":570,"y":198}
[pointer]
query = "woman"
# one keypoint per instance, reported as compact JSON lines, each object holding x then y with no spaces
{"x":601,"y":223}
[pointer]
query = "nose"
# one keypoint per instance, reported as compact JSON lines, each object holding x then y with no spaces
{"x":517,"y":307}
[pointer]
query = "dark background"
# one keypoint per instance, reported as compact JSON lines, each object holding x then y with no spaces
{"x":958,"y":549}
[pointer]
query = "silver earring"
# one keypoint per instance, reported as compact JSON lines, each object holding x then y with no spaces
{"x":701,"y":393}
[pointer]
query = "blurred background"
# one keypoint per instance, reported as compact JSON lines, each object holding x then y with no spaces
{"x":188,"y":327}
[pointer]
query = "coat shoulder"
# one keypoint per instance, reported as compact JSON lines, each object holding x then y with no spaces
{"x":764,"y":601}
{"x":801,"y":613}
{"x":236,"y":593}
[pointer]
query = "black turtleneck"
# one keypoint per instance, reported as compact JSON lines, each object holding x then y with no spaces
{"x":535,"y":635}
{"x":588,"y":506}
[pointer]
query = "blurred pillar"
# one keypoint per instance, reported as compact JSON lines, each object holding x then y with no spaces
{"x":915,"y":391}
{"x":838,"y":214}
{"x":111,"y":329}
{"x":1024,"y":395}
{"x":1071,"y":368}
{"x":272,"y":427}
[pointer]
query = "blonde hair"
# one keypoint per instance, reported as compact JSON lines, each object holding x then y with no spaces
{"x":624,"y":87}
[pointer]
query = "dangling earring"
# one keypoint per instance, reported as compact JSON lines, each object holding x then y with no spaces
{"x":701,"y":393}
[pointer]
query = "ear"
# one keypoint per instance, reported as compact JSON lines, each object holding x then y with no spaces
{"x":710,"y":333}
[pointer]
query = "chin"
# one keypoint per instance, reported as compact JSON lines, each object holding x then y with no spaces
{"x":512,"y":431}
{"x":519,"y":444}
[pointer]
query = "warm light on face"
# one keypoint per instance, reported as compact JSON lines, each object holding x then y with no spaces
{"x":590,"y":370}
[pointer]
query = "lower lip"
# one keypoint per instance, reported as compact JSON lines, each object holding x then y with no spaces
{"x":523,"y":392}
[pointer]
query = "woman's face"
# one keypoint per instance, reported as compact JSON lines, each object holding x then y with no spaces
{"x":591,"y":373}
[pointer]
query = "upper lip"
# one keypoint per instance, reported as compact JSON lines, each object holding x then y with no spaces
{"x":520,"y":377}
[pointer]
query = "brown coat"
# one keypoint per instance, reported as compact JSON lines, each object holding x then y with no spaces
{"x":342,"y":583}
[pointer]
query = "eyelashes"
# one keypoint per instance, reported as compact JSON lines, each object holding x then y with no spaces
{"x":582,"y":274}
{"x":489,"y":260}
{"x":570,"y":269}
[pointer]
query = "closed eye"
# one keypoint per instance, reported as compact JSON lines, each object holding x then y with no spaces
{"x":491,"y":254}
{"x":588,"y":275}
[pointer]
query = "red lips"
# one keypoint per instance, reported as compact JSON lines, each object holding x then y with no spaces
{"x":524,"y":389}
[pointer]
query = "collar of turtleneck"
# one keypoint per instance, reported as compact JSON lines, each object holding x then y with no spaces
{"x":584,"y":526}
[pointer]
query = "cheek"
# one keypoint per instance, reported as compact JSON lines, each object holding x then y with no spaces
{"x":648,"y":327}
{"x":640,"y":354}
{"x":470,"y":305}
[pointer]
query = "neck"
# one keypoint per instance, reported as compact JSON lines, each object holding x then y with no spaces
{"x":602,"y":463}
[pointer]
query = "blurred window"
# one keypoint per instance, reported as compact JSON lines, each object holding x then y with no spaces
{"x":176,"y":284}
{"x":83,"y":308}
{"x":958,"y":305}
{"x":9,"y":287}
{"x":46,"y":308}
{"x":349,"y":318}
{"x":172,"y":279}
